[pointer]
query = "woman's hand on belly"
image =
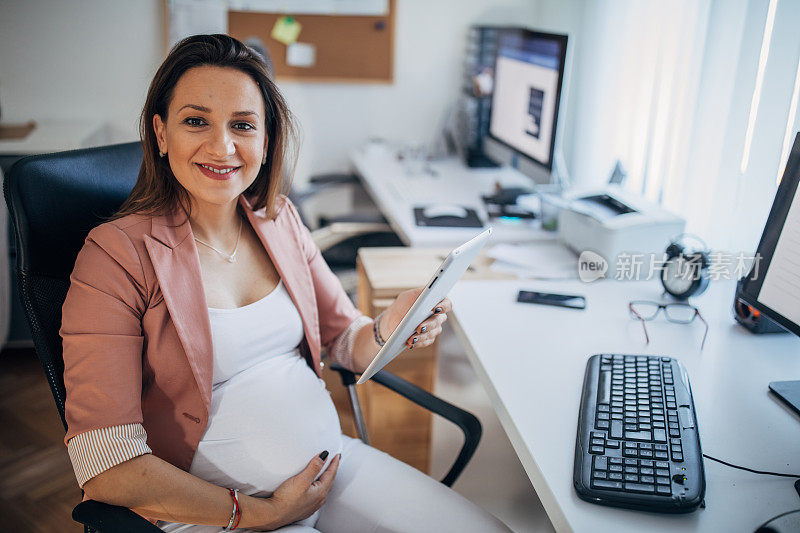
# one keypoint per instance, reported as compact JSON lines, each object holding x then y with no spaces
{"x":299,"y":496}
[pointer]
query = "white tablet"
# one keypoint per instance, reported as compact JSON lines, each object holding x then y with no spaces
{"x":448,"y":273}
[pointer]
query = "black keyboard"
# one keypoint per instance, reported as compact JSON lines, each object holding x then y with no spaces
{"x":638,"y":444}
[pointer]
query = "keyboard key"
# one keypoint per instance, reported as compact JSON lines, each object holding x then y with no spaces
{"x":647,"y":479}
{"x":646,"y":462}
{"x":663,"y":490}
{"x":638,"y":435}
{"x":597,"y":450}
{"x":613,"y":444}
{"x":662,"y":480}
{"x":599,"y":474}
{"x":615,"y":476}
{"x":677,"y":457}
{"x":661,"y":455}
{"x":645,"y":471}
{"x":602,"y":424}
{"x":600,"y":462}
{"x":615,"y":468}
{"x":631,"y":462}
{"x":614,"y":461}
{"x":640,"y":487}
{"x":662,"y":464}
{"x":608,"y":485}
{"x":631,"y":477}
{"x":616,"y":429}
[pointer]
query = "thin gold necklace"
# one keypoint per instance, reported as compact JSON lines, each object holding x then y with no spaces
{"x":232,"y":257}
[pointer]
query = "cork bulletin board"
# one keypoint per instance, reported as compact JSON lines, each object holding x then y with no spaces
{"x":349,"y":48}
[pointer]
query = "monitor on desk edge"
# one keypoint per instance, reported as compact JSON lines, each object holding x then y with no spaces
{"x":528,"y":76}
{"x":773,"y":284}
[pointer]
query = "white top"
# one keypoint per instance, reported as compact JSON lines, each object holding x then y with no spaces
{"x":270,"y":413}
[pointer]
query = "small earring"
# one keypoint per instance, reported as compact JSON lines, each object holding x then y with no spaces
{"x":161,"y":154}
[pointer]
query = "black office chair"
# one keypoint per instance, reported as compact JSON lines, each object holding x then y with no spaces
{"x":54,"y":201}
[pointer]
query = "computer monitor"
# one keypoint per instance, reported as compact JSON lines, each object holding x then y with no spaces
{"x":528,"y":75}
{"x":773,"y":284}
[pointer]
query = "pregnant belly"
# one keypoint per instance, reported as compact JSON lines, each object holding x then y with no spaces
{"x":266,"y":424}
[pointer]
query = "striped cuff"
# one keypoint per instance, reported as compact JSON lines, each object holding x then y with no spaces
{"x":95,"y":451}
{"x":341,"y":349}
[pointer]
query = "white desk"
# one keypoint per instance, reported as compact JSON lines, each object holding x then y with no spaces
{"x":396,"y":193}
{"x":531,"y":360}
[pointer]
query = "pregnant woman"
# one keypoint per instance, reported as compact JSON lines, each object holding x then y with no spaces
{"x":193,"y":327}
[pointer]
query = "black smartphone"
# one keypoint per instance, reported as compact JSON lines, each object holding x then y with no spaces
{"x":545,"y":298}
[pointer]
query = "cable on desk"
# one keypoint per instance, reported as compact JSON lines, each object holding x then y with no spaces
{"x":750,"y":469}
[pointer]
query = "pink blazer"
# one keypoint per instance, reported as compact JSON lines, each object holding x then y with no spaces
{"x":136,"y":332}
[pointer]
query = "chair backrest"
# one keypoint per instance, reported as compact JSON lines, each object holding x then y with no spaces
{"x":54,"y":201}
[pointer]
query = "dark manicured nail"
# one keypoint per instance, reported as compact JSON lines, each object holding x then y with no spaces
{"x":437,"y":310}
{"x":324,"y":455}
{"x":424,"y":329}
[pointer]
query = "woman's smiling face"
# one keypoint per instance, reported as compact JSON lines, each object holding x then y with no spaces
{"x":214,"y":134}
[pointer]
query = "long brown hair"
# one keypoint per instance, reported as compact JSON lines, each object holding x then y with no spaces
{"x":157,"y":191}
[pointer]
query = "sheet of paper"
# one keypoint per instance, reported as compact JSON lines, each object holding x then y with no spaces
{"x":301,"y":55}
{"x":190,"y":17}
{"x":286,"y":30}
{"x":501,"y":267}
{"x":540,"y":260}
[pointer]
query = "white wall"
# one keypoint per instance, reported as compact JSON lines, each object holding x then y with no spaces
{"x":63,"y":59}
{"x":95,"y":58}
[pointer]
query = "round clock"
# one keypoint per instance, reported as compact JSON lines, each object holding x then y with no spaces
{"x":685,"y":271}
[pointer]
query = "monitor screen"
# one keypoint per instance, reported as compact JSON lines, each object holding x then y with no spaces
{"x":529,"y":70}
{"x":773,"y":284}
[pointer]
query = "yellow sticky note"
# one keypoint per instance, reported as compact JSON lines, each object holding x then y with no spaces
{"x":286,"y":30}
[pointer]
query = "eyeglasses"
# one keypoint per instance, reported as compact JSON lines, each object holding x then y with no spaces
{"x":678,"y":313}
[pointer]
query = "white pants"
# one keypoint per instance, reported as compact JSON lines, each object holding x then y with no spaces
{"x":374,"y":492}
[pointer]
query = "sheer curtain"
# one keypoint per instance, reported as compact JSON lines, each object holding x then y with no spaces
{"x":696,"y":98}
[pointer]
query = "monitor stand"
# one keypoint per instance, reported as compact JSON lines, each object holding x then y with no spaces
{"x":788,"y":392}
{"x":478,"y":159}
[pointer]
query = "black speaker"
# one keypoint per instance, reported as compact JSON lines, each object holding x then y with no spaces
{"x":752,"y":318}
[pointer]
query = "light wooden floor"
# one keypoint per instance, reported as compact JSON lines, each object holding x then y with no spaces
{"x":37,"y":486}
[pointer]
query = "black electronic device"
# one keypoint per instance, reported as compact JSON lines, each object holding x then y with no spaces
{"x":424,"y":217}
{"x":771,"y":286}
{"x":686,"y":269}
{"x":573,"y":301}
{"x":503,"y":203}
{"x":528,"y":75}
{"x":751,"y":318}
{"x":638,"y":444}
{"x":788,"y":392}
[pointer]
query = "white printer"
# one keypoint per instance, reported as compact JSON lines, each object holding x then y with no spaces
{"x":610,"y":221}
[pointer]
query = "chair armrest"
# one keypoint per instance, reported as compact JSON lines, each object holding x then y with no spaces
{"x":466,"y":421}
{"x":106,"y":518}
{"x":333,"y":178}
{"x":329,"y":236}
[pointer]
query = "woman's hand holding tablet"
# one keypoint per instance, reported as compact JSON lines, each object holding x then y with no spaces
{"x":424,"y":303}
